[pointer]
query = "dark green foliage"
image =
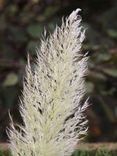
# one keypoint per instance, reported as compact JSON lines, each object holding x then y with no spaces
{"x":1,"y":153}
{"x":6,"y":153}
{"x":95,"y":153}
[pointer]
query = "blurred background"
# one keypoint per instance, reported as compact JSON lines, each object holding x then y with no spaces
{"x":21,"y":26}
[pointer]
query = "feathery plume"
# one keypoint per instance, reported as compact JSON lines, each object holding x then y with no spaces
{"x":51,"y":106}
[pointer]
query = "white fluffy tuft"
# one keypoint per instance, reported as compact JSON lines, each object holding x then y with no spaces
{"x":51,"y":106}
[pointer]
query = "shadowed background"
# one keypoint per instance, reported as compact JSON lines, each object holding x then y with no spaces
{"x":21,"y":26}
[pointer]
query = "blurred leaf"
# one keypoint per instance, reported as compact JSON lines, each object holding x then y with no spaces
{"x":26,"y":16}
{"x":11,"y":10}
{"x":1,"y":153}
{"x":97,"y":76}
{"x":104,"y":56}
{"x":108,"y":18}
{"x":17,"y":34}
{"x":108,"y":92}
{"x":3,"y":23}
{"x":35,"y":1}
{"x":50,"y":10}
{"x":112,"y":33}
{"x":112,"y":72}
{"x":10,"y":80}
{"x":107,"y":110}
{"x":90,"y":87}
{"x":7,"y":52}
{"x":35,"y":30}
{"x":9,"y":95}
{"x":93,"y":36}
{"x":91,"y":47}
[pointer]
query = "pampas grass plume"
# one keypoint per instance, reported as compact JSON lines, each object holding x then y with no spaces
{"x":51,"y":106}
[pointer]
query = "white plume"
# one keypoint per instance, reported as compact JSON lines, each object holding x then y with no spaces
{"x":51,"y":106}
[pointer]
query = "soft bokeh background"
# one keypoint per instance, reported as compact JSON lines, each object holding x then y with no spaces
{"x":21,"y":25}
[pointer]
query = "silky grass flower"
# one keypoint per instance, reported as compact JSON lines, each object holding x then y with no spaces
{"x":51,"y":104}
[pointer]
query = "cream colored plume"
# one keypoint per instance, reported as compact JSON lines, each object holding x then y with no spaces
{"x":52,"y":103}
